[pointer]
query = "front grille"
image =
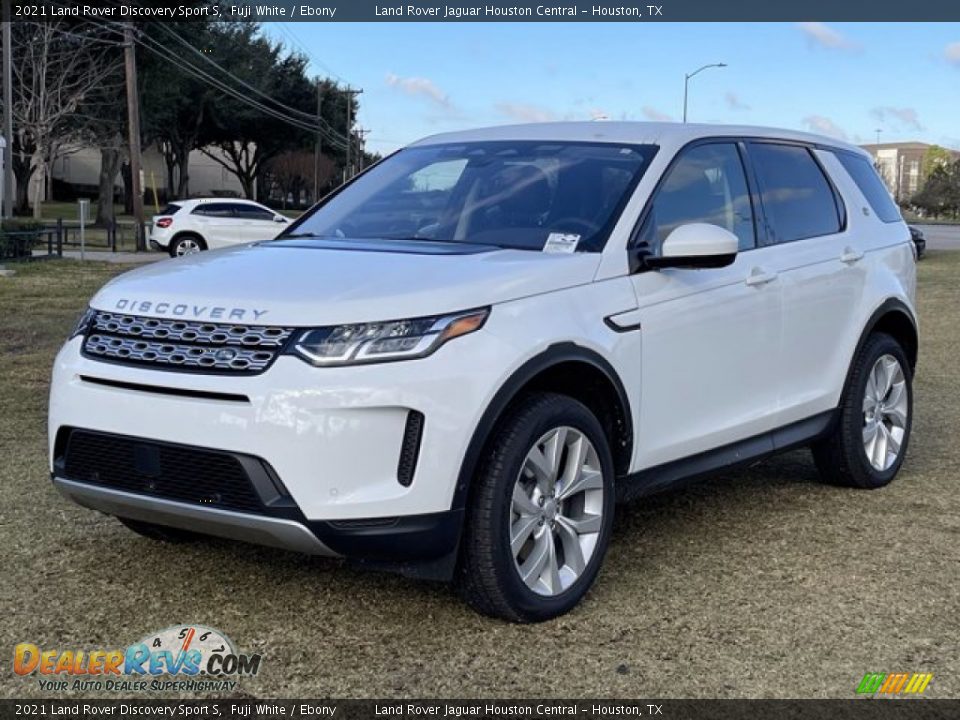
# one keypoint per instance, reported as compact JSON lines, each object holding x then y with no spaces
{"x":174,"y":472}
{"x":171,"y":343}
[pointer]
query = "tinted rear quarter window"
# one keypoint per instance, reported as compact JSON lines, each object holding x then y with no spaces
{"x":170,"y":209}
{"x":214,"y":210}
{"x":870,"y":184}
{"x":798,"y":200}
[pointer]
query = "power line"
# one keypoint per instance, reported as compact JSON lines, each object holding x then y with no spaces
{"x":163,"y":52}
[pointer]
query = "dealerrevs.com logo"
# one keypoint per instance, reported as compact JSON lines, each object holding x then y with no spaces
{"x":184,"y":658}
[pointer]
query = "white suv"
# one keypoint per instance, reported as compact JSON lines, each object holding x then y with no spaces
{"x":455,"y":364}
{"x":185,"y":227}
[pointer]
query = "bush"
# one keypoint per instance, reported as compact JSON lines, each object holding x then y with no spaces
{"x":19,"y":237}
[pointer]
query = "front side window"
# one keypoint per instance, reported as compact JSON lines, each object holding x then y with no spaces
{"x":511,"y":194}
{"x":798,"y":200}
{"x":252,"y":212}
{"x":706,"y":184}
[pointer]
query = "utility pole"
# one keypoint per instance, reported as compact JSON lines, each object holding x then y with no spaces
{"x":348,"y":170}
{"x":318,"y":145}
{"x":362,"y":137}
{"x":7,"y":111}
{"x":133,"y":122}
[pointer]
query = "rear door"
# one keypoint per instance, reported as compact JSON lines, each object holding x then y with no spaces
{"x":819,"y":262}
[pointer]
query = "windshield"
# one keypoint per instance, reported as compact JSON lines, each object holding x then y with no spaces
{"x":506,"y":194}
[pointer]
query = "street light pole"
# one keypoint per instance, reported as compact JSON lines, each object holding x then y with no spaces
{"x":686,"y":83}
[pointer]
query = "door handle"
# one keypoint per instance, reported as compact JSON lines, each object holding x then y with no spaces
{"x":850,"y":256}
{"x":758,"y":277}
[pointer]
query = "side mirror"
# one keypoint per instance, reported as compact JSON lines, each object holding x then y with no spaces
{"x":696,"y":245}
{"x":279,"y":219}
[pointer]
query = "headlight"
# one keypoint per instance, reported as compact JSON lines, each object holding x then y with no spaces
{"x":83,"y":324}
{"x":385,"y":341}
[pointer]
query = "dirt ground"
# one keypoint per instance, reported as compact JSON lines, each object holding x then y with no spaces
{"x":763,"y":583}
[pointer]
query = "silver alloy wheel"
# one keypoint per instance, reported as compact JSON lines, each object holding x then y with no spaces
{"x":885,"y":411}
{"x":556,"y":511}
{"x":187,"y":246}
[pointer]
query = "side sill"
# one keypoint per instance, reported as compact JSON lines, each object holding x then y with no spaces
{"x":743,"y":452}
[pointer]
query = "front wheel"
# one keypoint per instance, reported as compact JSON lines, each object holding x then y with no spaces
{"x":868,"y":444}
{"x":540,"y":513}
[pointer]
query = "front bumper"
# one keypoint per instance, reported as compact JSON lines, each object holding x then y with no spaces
{"x":333,"y":436}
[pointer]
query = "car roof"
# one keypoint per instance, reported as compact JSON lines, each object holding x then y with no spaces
{"x":201,"y":201}
{"x":663,"y":134}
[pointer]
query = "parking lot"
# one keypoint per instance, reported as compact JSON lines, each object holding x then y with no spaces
{"x":762,"y":583}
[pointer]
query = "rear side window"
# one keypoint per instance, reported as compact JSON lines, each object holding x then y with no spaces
{"x":170,"y":209}
{"x":798,"y":200}
{"x":870,"y":184}
{"x":214,"y":210}
{"x":252,"y":212}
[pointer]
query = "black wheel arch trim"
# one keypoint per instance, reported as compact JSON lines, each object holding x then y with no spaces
{"x":552,"y":356}
{"x":888,"y":306}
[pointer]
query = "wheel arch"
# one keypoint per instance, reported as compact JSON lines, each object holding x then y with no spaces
{"x":895,"y":318}
{"x":565,"y":368}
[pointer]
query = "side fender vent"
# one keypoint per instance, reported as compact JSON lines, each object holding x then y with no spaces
{"x":410,"y":449}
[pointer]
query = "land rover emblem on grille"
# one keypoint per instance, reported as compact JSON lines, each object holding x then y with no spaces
{"x":226,"y":354}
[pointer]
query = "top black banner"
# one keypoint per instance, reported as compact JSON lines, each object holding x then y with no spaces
{"x":494,"y":11}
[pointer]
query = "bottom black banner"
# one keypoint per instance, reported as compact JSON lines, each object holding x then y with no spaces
{"x":455,"y":709}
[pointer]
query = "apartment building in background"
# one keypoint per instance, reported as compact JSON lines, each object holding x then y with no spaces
{"x":900,"y":164}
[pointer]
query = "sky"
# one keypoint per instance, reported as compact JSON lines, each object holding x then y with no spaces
{"x":846,"y":79}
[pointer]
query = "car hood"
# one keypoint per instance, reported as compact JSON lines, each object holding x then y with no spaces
{"x":324,"y":282}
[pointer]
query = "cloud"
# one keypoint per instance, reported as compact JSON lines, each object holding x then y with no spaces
{"x":419,"y":87}
{"x":952,"y":53}
{"x":819,"y":34}
{"x":525,"y":113}
{"x":651,"y":113}
{"x":734,"y":102}
{"x":903,"y":117}
{"x":824,"y":126}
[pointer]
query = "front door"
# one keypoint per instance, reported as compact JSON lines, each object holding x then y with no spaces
{"x":710,"y":337}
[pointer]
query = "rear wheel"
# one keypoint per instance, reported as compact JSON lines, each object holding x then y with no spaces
{"x":160,"y":532}
{"x":540,"y":514}
{"x":867,"y":447}
{"x":187,"y":244}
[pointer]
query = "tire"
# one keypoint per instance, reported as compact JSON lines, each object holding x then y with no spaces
{"x":489,"y":573}
{"x":842,"y":457}
{"x":162,"y":533}
{"x":187,"y":244}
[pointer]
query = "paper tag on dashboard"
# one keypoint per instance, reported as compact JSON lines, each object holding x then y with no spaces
{"x":561,"y":243}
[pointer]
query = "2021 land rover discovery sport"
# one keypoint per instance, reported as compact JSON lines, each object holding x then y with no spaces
{"x":455,"y":364}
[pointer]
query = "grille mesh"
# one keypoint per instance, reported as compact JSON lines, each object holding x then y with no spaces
{"x":174,"y":472}
{"x":171,"y":343}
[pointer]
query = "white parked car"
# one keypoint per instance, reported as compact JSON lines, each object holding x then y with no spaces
{"x":185,"y":227}
{"x":456,"y":364}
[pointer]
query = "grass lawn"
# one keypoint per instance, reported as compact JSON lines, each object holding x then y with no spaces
{"x":762,"y":582}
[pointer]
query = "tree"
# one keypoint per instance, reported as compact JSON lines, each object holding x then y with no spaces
{"x":941,"y":191}
{"x":57,"y":67}
{"x":291,"y":174}
{"x":175,"y":103}
{"x":934,"y":157}
{"x":243,"y":138}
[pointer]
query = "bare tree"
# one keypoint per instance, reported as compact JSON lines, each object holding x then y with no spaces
{"x":57,"y":68}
